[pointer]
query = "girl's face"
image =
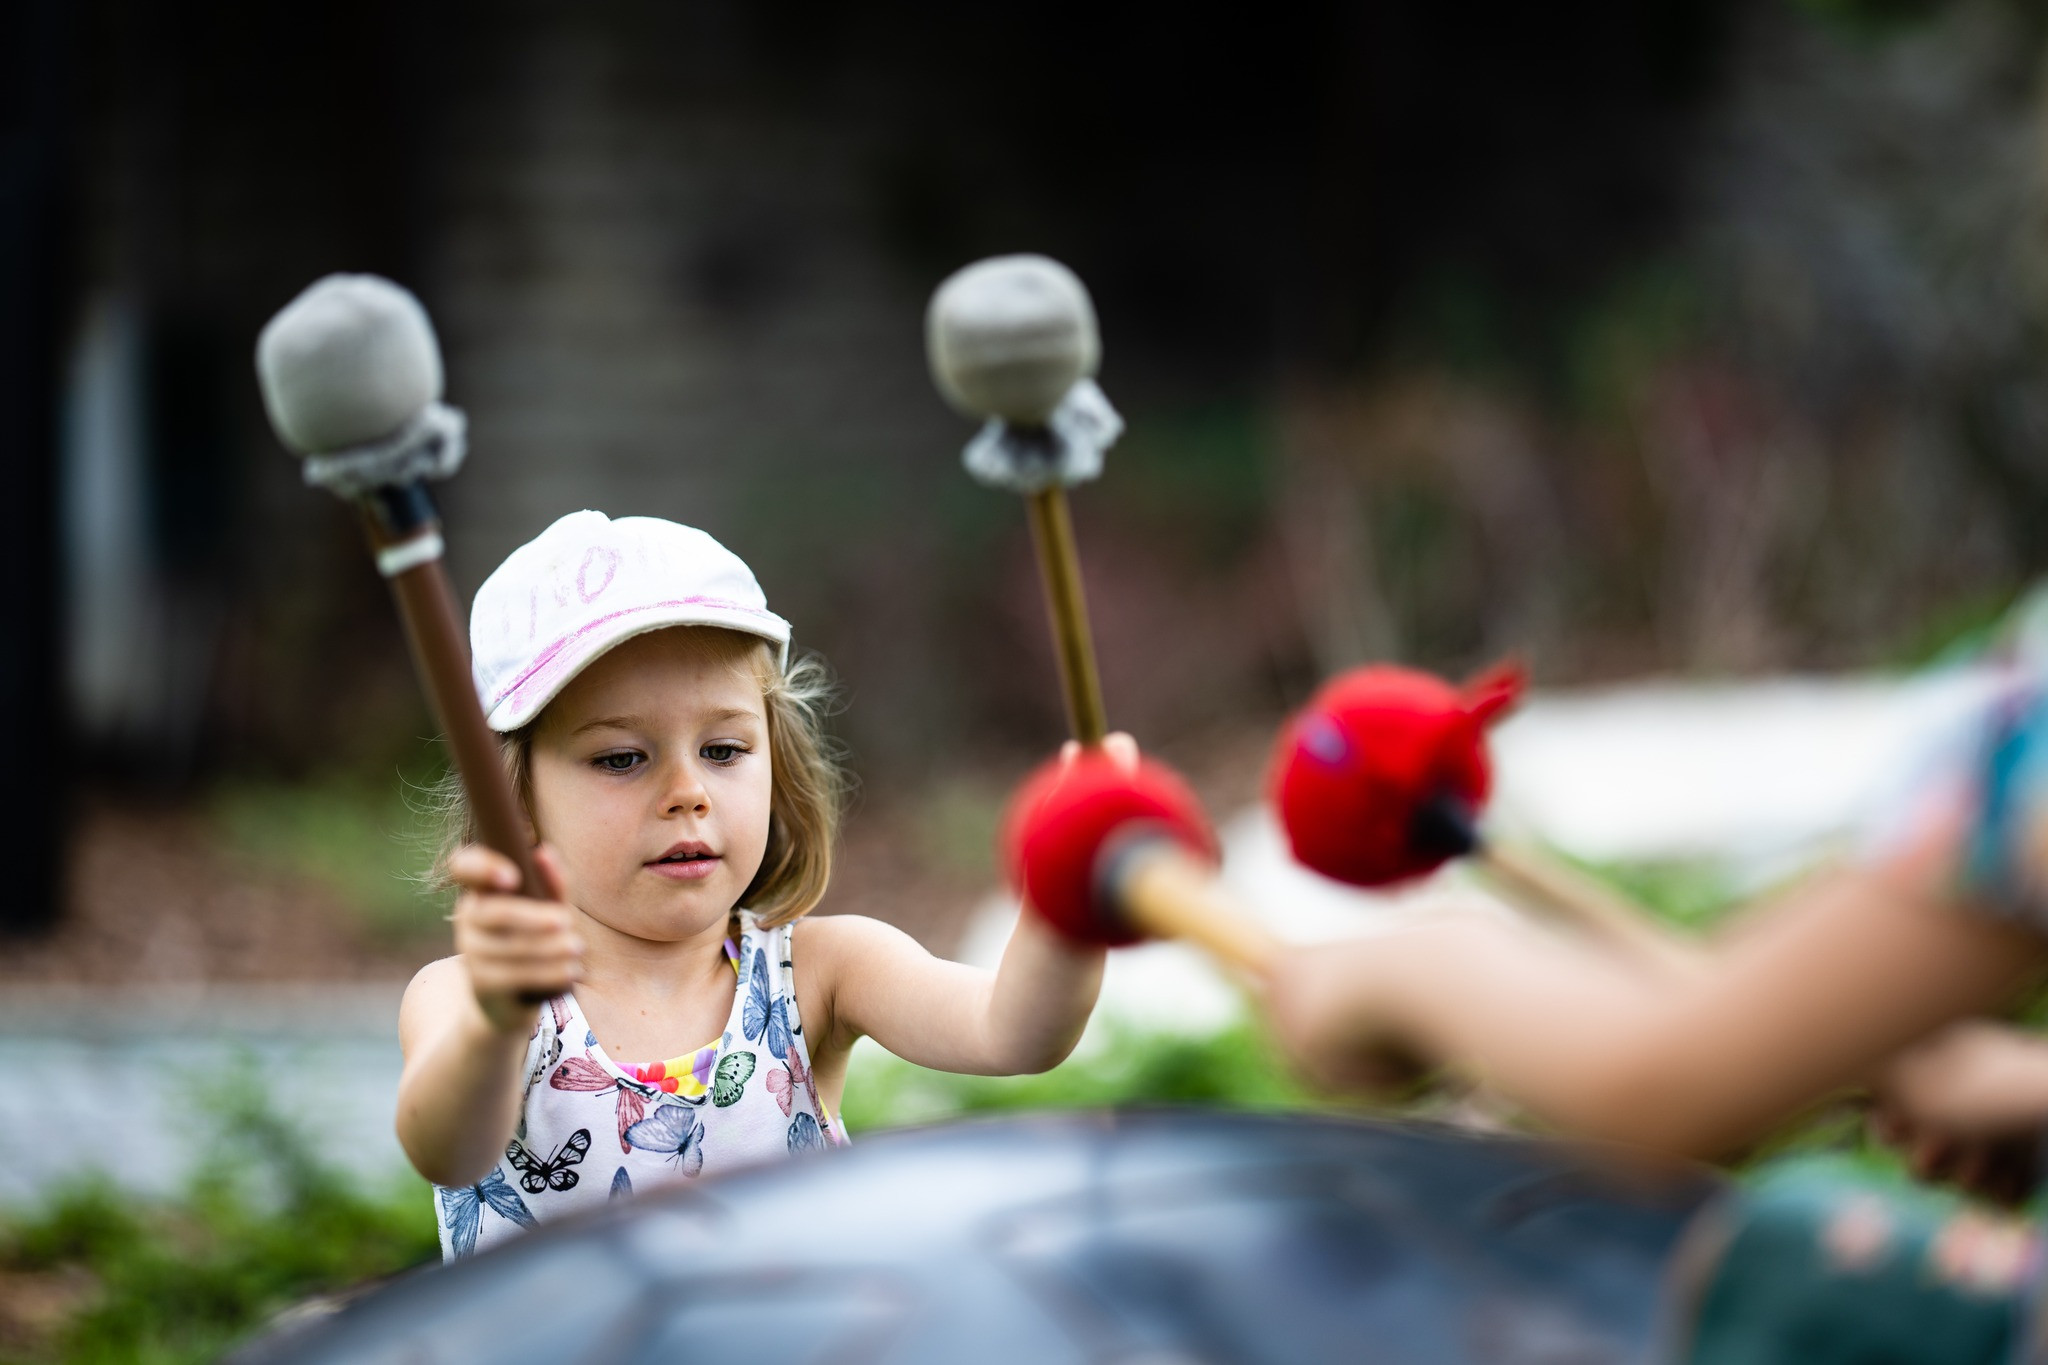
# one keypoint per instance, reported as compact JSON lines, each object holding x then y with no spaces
{"x":649,"y":776}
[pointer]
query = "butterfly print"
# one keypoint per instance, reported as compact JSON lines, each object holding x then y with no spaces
{"x":804,"y":1134}
{"x":536,"y":1175}
{"x":676,"y":1132}
{"x":544,"y":1060}
{"x":462,"y":1208}
{"x":765,"y":1013}
{"x":782,"y":1084}
{"x":730,"y":1082}
{"x":622,"y":1185}
{"x":585,"y":1075}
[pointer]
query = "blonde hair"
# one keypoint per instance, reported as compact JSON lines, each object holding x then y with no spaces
{"x":804,"y":805}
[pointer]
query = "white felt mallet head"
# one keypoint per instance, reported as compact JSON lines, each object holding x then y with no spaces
{"x":1009,"y":336}
{"x":350,"y":361}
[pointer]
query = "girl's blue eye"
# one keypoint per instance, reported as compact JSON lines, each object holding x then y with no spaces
{"x":618,"y":763}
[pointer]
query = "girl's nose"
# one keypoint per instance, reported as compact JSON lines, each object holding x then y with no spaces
{"x":686,"y":791}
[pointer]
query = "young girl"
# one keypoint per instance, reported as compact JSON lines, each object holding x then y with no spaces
{"x":670,"y":761}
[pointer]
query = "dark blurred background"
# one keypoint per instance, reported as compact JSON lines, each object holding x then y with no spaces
{"x":1700,"y":338}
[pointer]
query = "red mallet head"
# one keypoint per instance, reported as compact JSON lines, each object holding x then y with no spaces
{"x":1382,"y":775}
{"x":1067,"y":815}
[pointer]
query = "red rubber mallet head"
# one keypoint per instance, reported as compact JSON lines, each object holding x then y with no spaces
{"x":1066,"y":816}
{"x":1382,"y":775}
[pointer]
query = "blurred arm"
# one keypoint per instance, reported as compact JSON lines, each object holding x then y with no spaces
{"x":1858,"y":966}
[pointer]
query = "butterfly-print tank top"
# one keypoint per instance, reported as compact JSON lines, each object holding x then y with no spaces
{"x":589,"y":1132}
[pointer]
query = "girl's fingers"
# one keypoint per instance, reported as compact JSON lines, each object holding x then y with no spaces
{"x":505,"y":915}
{"x":511,"y":911}
{"x":1117,"y":744}
{"x":1930,"y":1157}
{"x":1968,"y":1169}
{"x":482,"y":869}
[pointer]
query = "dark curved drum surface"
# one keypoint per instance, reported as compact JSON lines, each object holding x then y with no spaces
{"x":1151,"y":1236}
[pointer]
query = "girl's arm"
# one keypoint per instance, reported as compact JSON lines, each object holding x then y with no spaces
{"x":1810,"y":998}
{"x":465,"y":1023}
{"x":874,"y":980}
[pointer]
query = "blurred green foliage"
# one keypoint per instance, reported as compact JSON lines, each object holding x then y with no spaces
{"x":1235,"y":1067}
{"x":365,"y":838}
{"x":1693,"y":895}
{"x":263,"y":1225}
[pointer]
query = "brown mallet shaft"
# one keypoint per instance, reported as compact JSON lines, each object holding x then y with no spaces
{"x":440,"y":655}
{"x":1066,"y":605}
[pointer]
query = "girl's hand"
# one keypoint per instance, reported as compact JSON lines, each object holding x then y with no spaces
{"x":1317,"y":1010}
{"x":1117,"y":744}
{"x":1968,"y":1106}
{"x":517,"y":950}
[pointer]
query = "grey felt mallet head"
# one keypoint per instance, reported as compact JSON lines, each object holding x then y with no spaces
{"x":1012,"y":339}
{"x":1009,"y":336}
{"x":351,"y":376}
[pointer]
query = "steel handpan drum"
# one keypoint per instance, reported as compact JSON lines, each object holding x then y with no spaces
{"x":1132,"y":1236}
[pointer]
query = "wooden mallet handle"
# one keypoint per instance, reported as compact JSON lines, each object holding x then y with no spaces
{"x":1011,"y":339}
{"x":440,"y":655}
{"x":1167,"y":894}
{"x":1066,"y":605}
{"x":1548,"y":886}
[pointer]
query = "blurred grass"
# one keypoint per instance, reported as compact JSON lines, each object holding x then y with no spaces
{"x":362,"y":837}
{"x":1689,"y":895}
{"x":1233,"y":1068}
{"x":263,"y":1224}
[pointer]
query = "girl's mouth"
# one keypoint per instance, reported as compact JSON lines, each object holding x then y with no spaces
{"x":685,"y":864}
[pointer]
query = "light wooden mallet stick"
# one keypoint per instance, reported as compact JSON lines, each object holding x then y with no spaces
{"x":1167,"y":894}
{"x":1012,"y":340}
{"x":1549,"y":886}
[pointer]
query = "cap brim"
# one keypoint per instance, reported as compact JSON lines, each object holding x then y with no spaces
{"x":518,"y":700}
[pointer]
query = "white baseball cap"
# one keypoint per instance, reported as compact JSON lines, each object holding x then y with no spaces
{"x":587,"y":583}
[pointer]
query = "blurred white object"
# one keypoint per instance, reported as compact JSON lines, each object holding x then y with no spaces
{"x":1760,"y":777}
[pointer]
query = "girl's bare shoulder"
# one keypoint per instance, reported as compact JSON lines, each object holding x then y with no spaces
{"x":436,"y":991}
{"x":845,"y":939}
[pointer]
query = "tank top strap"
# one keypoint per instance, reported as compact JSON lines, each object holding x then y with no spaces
{"x":765,"y":1012}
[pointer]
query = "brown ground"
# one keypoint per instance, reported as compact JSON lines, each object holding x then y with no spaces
{"x":153,"y":897}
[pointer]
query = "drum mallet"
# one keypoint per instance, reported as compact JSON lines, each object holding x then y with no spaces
{"x":1381,"y":778}
{"x":1012,"y":339}
{"x":1112,"y":855}
{"x":351,"y":378}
